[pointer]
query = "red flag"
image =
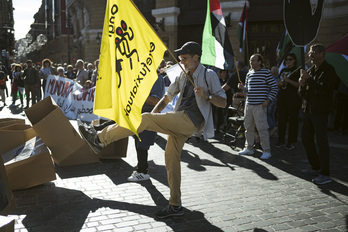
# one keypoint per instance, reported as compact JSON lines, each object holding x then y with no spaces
{"x":337,"y":56}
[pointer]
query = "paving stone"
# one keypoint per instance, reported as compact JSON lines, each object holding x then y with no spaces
{"x":281,"y":227}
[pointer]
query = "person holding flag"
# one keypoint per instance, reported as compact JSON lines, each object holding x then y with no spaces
{"x":317,"y":85}
{"x":289,"y":103}
{"x":199,"y":88}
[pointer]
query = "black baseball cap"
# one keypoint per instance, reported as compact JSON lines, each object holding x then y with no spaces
{"x":190,"y":48}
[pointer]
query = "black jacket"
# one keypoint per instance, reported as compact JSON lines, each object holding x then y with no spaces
{"x":318,"y":92}
{"x":32,"y":77}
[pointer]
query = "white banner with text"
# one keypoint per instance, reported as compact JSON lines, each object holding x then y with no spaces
{"x":75,"y":101}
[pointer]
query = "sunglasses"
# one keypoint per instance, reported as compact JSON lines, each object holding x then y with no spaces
{"x":288,"y":59}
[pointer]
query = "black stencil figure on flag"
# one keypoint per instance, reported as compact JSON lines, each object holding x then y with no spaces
{"x":301,"y":21}
{"x":122,"y":45}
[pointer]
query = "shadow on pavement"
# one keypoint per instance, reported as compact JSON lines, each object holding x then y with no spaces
{"x":294,"y":160}
{"x":51,"y":208}
{"x":191,"y":221}
{"x":193,"y":160}
{"x":230,"y":160}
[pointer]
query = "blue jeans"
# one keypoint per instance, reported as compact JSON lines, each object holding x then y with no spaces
{"x":271,"y":108}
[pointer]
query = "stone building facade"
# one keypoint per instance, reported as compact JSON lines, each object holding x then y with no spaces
{"x":87,"y":18}
{"x":178,"y":21}
{"x":184,"y":20}
{"x":6,"y":31}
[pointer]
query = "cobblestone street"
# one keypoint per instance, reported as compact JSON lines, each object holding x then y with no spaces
{"x":221,"y":191}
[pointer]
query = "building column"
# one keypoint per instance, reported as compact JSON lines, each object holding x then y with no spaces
{"x":169,"y":15}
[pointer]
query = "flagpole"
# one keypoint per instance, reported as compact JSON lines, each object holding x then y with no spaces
{"x":163,"y":43}
{"x":235,"y":63}
{"x":194,"y":86}
{"x":246,"y":47}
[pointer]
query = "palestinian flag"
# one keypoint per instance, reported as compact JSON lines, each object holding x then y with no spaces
{"x":216,"y":47}
{"x":285,"y":46}
{"x":242,"y":29}
{"x":337,"y":55}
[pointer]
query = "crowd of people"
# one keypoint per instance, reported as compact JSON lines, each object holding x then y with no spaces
{"x":29,"y":79}
{"x":271,"y":98}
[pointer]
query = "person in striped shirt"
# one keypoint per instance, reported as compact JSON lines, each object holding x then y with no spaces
{"x":260,"y":89}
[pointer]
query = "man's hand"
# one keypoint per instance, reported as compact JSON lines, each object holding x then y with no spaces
{"x":304,"y":74}
{"x":303,"y":77}
{"x":286,"y":79}
{"x":240,"y":85}
{"x":216,"y":100}
{"x":238,"y":94}
{"x":265,"y":103}
{"x":201,"y":93}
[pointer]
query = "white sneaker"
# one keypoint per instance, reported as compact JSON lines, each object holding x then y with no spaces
{"x":266,"y":155}
{"x":135,"y":177}
{"x":246,"y":151}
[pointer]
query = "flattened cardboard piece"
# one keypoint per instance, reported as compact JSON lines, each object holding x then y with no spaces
{"x":7,"y":198}
{"x":6,"y":224}
{"x":83,"y":155}
{"x":15,"y":135}
{"x":58,"y":134}
{"x":29,"y":165}
{"x":4,"y":122}
{"x":115,"y":150}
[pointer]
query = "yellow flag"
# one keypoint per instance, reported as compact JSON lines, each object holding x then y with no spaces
{"x":130,"y":54}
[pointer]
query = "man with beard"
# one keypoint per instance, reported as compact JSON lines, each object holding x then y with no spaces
{"x":192,"y":114}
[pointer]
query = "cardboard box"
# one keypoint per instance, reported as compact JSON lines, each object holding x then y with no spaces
{"x":15,"y":135}
{"x":7,"y":199}
{"x":115,"y":150}
{"x":4,"y":122}
{"x":29,"y":165}
{"x":58,"y":134}
{"x":6,"y":224}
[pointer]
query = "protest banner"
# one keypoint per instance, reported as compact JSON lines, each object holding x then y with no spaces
{"x":75,"y":101}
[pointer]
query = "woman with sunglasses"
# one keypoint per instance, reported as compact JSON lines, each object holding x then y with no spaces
{"x":289,"y":103}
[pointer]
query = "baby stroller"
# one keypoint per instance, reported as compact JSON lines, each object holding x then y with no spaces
{"x":235,"y":126}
